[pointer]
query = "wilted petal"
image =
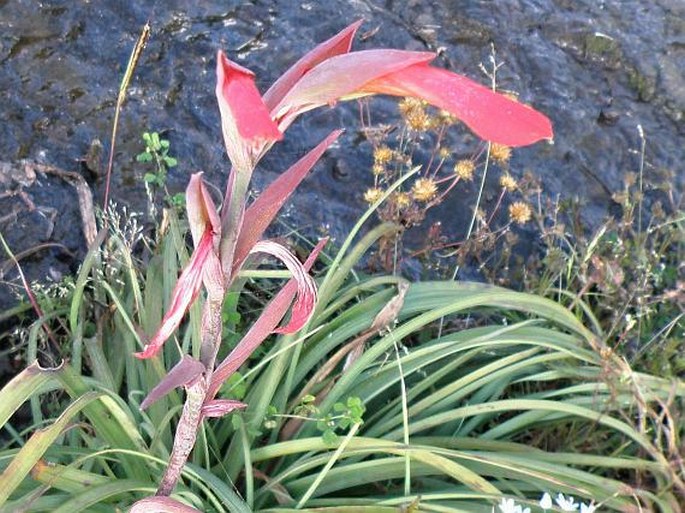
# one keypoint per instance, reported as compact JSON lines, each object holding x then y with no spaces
{"x":201,"y":209}
{"x":262,"y":327}
{"x":492,"y":116}
{"x":338,"y":44}
{"x":306,"y":288}
{"x":245,"y":120}
{"x":220,"y":407}
{"x":161,"y":505}
{"x":183,"y":373}
{"x":186,"y":291}
{"x":262,"y":211}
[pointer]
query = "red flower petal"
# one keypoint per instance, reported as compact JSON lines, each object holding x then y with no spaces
{"x":338,"y":44}
{"x":492,"y":116}
{"x":306,"y":288}
{"x":245,"y":120}
{"x":341,"y":76}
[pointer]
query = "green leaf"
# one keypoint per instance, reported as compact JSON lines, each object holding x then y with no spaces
{"x":35,"y":448}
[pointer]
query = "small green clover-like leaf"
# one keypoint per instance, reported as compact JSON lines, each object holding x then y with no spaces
{"x":144,"y":157}
{"x":170,"y":161}
{"x":150,"y":178}
{"x":179,"y":200}
{"x":329,"y":437}
{"x":309,"y":398}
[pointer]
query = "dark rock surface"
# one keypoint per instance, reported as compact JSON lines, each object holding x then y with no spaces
{"x":596,"y":68}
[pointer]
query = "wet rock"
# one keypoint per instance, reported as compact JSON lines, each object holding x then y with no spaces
{"x":598,"y":69}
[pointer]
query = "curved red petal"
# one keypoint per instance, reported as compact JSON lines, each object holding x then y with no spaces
{"x":492,"y":116}
{"x":245,"y":120}
{"x":338,"y":44}
{"x":305,"y":300}
{"x":341,"y":76}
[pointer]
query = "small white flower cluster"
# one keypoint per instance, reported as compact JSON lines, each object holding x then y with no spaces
{"x":565,"y":503}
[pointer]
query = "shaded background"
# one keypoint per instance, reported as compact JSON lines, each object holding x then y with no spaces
{"x":596,"y":68}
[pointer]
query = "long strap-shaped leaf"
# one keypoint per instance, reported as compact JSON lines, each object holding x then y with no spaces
{"x":36,"y":446}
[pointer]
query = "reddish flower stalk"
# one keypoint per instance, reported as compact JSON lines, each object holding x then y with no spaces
{"x":251,"y":124}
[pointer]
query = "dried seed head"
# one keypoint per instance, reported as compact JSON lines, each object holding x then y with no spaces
{"x":464,"y":169}
{"x":373,"y":195}
{"x":415,"y":116}
{"x":446,"y":118}
{"x":377,"y":169}
{"x":401,"y":199}
{"x":500,"y":153}
{"x":424,"y":189}
{"x":520,"y":212}
{"x":508,"y":183}
{"x":382,"y":155}
{"x":444,"y":152}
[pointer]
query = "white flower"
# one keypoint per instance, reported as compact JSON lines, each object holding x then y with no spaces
{"x":546,"y":501}
{"x":508,"y":506}
{"x":588,"y":508}
{"x":521,"y":509}
{"x":566,"y":504}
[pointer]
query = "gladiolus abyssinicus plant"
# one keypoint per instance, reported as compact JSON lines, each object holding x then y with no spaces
{"x":251,"y":125}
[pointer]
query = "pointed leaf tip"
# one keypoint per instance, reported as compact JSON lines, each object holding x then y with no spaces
{"x":220,"y":407}
{"x":183,"y":373}
{"x":338,"y":44}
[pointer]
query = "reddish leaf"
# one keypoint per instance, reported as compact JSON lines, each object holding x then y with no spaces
{"x":338,"y":44}
{"x":262,"y":211}
{"x":492,"y":116}
{"x":262,"y":328}
{"x":161,"y":505}
{"x":185,"y":292}
{"x":220,"y":407}
{"x":184,"y":372}
{"x":245,"y":120}
{"x":341,"y":76}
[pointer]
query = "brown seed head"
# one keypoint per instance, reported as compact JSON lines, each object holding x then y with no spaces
{"x":382,"y":155}
{"x":520,"y":212}
{"x":464,"y":169}
{"x":424,"y":189}
{"x":373,"y":195}
{"x":500,"y":153}
{"x":401,"y":199}
{"x":508,"y":183}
